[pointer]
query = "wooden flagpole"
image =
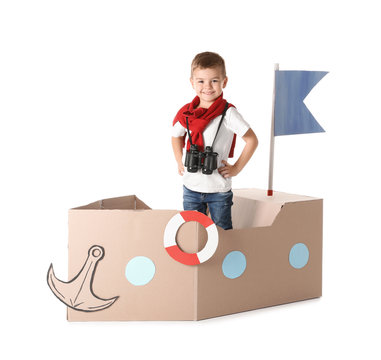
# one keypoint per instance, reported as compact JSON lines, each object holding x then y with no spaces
{"x":272,"y":138}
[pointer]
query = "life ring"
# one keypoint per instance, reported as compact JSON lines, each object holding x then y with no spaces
{"x":170,"y":238}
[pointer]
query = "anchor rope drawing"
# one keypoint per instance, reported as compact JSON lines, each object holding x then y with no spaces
{"x":78,"y":293}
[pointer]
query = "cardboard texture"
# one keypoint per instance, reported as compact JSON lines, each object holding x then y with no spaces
{"x":265,"y":232}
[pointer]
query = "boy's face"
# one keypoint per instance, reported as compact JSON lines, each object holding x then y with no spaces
{"x":208,"y":84}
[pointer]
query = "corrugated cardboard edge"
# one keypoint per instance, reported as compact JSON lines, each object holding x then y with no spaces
{"x":129,"y":202}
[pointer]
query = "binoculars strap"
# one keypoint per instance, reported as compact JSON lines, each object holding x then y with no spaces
{"x":222,"y":119}
{"x":189,"y":135}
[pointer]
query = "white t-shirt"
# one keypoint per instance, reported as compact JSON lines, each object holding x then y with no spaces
{"x":233,"y":124}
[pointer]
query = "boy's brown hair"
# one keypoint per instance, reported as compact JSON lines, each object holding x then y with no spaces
{"x":207,"y":60}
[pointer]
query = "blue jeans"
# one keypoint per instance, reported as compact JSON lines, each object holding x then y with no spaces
{"x":219,"y":204}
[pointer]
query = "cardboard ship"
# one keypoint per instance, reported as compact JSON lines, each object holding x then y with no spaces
{"x":123,"y":265}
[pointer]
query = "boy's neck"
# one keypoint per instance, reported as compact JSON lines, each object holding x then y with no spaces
{"x":204,"y":105}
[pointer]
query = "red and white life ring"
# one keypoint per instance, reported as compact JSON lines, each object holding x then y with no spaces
{"x":170,"y":238}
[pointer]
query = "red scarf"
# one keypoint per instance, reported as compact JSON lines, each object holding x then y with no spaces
{"x":199,"y":118}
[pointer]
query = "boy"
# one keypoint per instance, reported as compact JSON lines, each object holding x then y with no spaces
{"x":200,"y":119}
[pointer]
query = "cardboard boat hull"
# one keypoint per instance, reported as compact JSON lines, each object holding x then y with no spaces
{"x":265,"y":230}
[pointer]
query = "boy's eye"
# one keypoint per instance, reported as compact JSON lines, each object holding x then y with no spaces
{"x":202,"y":81}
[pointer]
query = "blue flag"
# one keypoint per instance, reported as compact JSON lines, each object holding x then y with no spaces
{"x":291,"y":114}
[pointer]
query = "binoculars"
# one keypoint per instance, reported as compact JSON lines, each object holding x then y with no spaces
{"x":206,"y":161}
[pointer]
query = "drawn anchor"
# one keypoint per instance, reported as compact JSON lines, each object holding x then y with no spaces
{"x":78,"y":293}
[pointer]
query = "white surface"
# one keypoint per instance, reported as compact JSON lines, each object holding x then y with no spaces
{"x":211,"y":246}
{"x":171,"y":230}
{"x":78,"y":81}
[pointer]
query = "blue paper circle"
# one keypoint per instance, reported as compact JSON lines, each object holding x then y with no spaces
{"x":234,"y":264}
{"x":299,"y":256}
{"x":140,"y":270}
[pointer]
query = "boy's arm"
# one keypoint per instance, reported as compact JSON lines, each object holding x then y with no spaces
{"x":251,"y":144}
{"x":177,"y":146}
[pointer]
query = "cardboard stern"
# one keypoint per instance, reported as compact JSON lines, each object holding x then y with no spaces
{"x":265,"y":230}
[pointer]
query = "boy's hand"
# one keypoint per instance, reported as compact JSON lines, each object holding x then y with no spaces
{"x":177,"y":146}
{"x":180,"y":168}
{"x":228,"y":170}
{"x":251,"y":144}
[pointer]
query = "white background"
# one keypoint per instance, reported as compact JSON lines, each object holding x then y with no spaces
{"x":88,"y":91}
